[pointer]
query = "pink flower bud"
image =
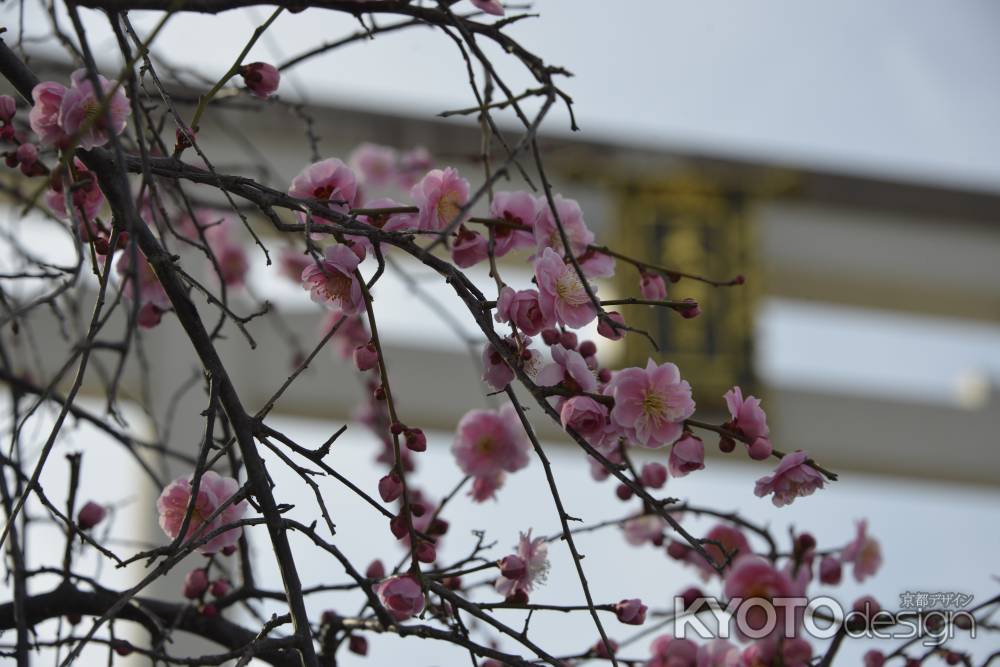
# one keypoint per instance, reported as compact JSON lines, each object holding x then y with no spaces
{"x":90,"y":515}
{"x":568,"y":340}
{"x":686,"y":455}
{"x":261,"y":78}
{"x":195,"y":583}
{"x":209,"y":610}
{"x":760,"y":449}
{"x":867,"y":605}
{"x":220,"y":588}
{"x":605,"y":650}
{"x":631,"y":612}
{"x":390,"y":487}
{"x":690,"y":595}
{"x":874,"y":658}
{"x":425,"y":552}
{"x":830,"y":570}
{"x":416,"y":441}
{"x":366,"y":356}
{"x":228,"y":550}
{"x":8,"y":107}
{"x":513,"y":567}
{"x":26,"y":154}
{"x":587,"y":349}
{"x":375,"y":570}
{"x":623,"y":492}
{"x":398,"y":527}
{"x":691,"y":311}
{"x":653,"y":475}
{"x":122,"y":647}
{"x":518,"y":596}
{"x":357,"y":644}
{"x":678,"y":551}
{"x":608,"y":331}
{"x":653,"y":287}
{"x":550,"y":336}
{"x":402,"y":596}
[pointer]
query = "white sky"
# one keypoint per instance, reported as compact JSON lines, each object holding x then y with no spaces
{"x":899,"y":88}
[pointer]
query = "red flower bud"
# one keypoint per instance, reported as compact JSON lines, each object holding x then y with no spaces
{"x":90,"y":515}
{"x":631,"y":612}
{"x":261,"y":78}
{"x":416,"y":441}
{"x":375,"y":570}
{"x":195,"y":583}
{"x":390,"y":487}
{"x":357,"y":644}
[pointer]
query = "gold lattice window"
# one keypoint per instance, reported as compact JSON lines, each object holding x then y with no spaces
{"x":698,"y":227}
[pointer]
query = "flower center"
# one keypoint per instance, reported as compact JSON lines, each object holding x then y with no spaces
{"x":337,"y":286}
{"x":485,"y":445}
{"x":448,"y":208}
{"x":570,"y":289}
{"x":653,"y":406}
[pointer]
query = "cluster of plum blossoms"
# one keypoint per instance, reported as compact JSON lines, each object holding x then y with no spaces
{"x":648,"y":407}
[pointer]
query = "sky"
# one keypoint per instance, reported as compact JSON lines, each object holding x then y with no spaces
{"x":899,"y":88}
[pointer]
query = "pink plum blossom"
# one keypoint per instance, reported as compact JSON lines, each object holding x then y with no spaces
{"x":535,"y":555}
{"x":349,"y":335}
{"x":496,"y":373}
{"x":652,"y":286}
{"x":85,"y":194}
{"x":669,"y":651}
{"x":569,"y":369}
{"x":864,"y":552}
{"x":830,"y":570}
{"x":686,"y":455}
{"x":514,"y":208}
{"x":261,"y":79}
{"x":749,"y":419}
{"x":561,"y":292}
{"x":80,"y":111}
{"x":213,"y":491}
{"x":792,"y":478}
{"x":233,"y":263}
{"x":733,"y":542}
{"x":523,"y":309}
{"x":375,"y":163}
{"x":571,"y":216}
{"x":44,"y":114}
{"x":440,"y":196}
{"x":150,"y":294}
{"x":489,"y":6}
{"x":651,"y":404}
{"x":754,"y":576}
{"x":643,"y":529}
{"x":469,"y":248}
{"x":490,"y":443}
{"x":330,"y":181}
{"x":333,"y":281}
{"x":596,"y":264}
{"x":401,"y":596}
{"x":585,"y":416}
{"x":412,"y":165}
{"x":718,"y":653}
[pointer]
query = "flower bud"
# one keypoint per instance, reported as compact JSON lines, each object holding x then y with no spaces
{"x":375,"y":570}
{"x":830,"y":570}
{"x":623,"y":492}
{"x":366,"y":356}
{"x":425,"y":552}
{"x":760,"y":449}
{"x":691,"y":310}
{"x":568,"y":340}
{"x":631,"y":612}
{"x":550,"y":336}
{"x":122,"y":647}
{"x":209,"y":610}
{"x":653,"y":475}
{"x":690,"y":595}
{"x":513,"y":567}
{"x":398,"y":527}
{"x":8,"y":107}
{"x":390,"y":487}
{"x":228,"y":550}
{"x":588,"y":348}
{"x":261,"y":78}
{"x":608,"y":331}
{"x":357,"y":644}
{"x":220,"y":588}
{"x":416,"y":441}
{"x":195,"y":583}
{"x":90,"y":515}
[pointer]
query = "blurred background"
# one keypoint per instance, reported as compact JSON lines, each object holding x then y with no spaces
{"x":843,"y":156}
